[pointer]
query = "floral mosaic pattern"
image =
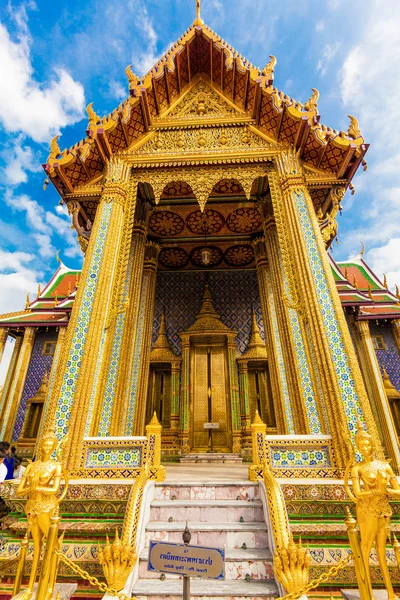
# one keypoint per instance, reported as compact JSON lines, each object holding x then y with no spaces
{"x":63,"y":411}
{"x":137,"y":356}
{"x":105,"y":458}
{"x":343,"y":371}
{"x":300,"y":457}
{"x":208,"y":223}
{"x":388,"y":358}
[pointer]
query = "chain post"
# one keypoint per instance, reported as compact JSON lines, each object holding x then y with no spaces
{"x":47,"y":574}
{"x":21,"y":564}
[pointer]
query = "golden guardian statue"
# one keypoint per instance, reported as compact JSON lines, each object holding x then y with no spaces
{"x":41,"y":484}
{"x":374,"y":484}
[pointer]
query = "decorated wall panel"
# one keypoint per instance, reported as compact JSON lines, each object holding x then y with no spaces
{"x":389,"y":356}
{"x":179,"y":295}
{"x":38,"y":366}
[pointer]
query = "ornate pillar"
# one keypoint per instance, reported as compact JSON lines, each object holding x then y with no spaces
{"x":175,"y":387}
{"x":185,"y":393}
{"x":136,"y":413}
{"x":12,"y":401}
{"x":9,"y":377}
{"x":280,"y":392}
{"x":244,"y":395}
{"x":84,"y":344}
{"x":235,"y":401}
{"x":49,"y":407}
{"x":314,"y":297}
{"x":3,"y":340}
{"x":125,"y":371}
{"x":306,"y":413}
{"x":373,"y":377}
{"x":396,"y":332}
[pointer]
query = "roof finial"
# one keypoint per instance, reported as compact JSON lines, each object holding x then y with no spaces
{"x":198,"y":20}
{"x":362,"y":248}
{"x":58,"y":259}
{"x":385,"y":283}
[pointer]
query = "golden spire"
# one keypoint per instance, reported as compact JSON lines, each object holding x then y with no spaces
{"x":58,"y":259}
{"x":39,"y":291}
{"x":198,"y":20}
{"x":346,"y":273}
{"x":27,"y":302}
{"x":362,"y":248}
{"x":256,"y":347}
{"x":385,"y":284}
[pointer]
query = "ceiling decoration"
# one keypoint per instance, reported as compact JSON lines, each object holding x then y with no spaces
{"x":177,"y":189}
{"x":165,"y":223}
{"x":244,"y":220}
{"x":208,"y":223}
{"x":227,"y":187}
{"x":239,"y":256}
{"x":175,"y":258}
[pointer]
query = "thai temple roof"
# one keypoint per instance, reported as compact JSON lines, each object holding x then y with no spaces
{"x":202,"y":54}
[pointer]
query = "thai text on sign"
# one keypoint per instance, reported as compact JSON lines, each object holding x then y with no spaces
{"x":192,"y":561}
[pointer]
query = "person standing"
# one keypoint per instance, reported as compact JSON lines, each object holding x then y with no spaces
{"x":8,"y":460}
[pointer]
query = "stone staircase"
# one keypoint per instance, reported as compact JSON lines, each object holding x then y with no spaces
{"x":219,"y":514}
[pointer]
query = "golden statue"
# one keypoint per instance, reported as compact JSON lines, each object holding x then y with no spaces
{"x":40,"y":483}
{"x":374,"y":483}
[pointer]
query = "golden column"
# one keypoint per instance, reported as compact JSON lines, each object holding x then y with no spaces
{"x":137,"y":406}
{"x":285,"y":330}
{"x":10,"y":376}
{"x":244,"y":396}
{"x":3,"y":340}
{"x":76,"y":387}
{"x":374,"y":383}
{"x":11,"y":402}
{"x":282,"y":406}
{"x":315,"y":298}
{"x":396,"y":332}
{"x":125,"y":373}
{"x":185,"y":394}
{"x":175,"y":394}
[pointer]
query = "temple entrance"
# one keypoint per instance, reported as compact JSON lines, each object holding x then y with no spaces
{"x":209,"y":398}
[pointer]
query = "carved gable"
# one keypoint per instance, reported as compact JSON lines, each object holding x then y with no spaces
{"x":203,"y":103}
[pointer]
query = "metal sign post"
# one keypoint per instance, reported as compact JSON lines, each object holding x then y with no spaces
{"x":186,"y":537}
{"x":187,"y":561}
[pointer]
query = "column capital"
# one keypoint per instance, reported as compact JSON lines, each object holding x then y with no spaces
{"x":151,"y":252}
{"x":116,"y":181}
{"x":260,"y":251}
{"x":363,"y":328}
{"x":289,"y":169}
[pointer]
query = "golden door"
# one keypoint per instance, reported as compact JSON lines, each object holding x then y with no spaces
{"x":209,"y":398}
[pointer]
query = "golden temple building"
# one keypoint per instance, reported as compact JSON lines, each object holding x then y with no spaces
{"x":205,"y":205}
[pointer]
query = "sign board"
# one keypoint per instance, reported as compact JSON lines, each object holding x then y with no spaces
{"x":191,"y":561}
{"x":211,"y":426}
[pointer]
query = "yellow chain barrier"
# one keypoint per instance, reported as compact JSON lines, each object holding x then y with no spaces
{"x":314,"y":583}
{"x":91,"y":579}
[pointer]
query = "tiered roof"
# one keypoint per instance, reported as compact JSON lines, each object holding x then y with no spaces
{"x":200,"y":51}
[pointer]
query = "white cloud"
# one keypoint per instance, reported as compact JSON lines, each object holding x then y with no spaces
{"x":19,"y":160}
{"x":116,"y":90}
{"x":26,"y":105}
{"x":320,"y":26}
{"x":144,"y":61}
{"x":327,"y":55}
{"x":17,"y":278}
{"x":370,"y":89}
{"x":44,"y":242}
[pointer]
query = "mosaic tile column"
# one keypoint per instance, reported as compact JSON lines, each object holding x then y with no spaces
{"x":185,"y":394}
{"x":316,"y":301}
{"x":48,"y":414}
{"x":90,"y":316}
{"x":3,"y":340}
{"x":135,"y":424}
{"x":125,"y":372}
{"x":396,"y":332}
{"x":9,"y":377}
{"x":17,"y":385}
{"x":374,"y":383}
{"x":304,"y":406}
{"x":110,"y":363}
{"x":281,"y":399}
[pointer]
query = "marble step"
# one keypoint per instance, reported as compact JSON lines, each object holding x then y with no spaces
{"x":256,"y":563}
{"x":207,"y":510}
{"x":206,"y":490}
{"x":211,"y":457}
{"x":199,"y":589}
{"x":217,"y":535}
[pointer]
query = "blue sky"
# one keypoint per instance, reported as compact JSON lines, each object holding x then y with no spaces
{"x":56,"y":57}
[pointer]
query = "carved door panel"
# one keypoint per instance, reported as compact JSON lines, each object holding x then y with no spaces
{"x":209,"y":398}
